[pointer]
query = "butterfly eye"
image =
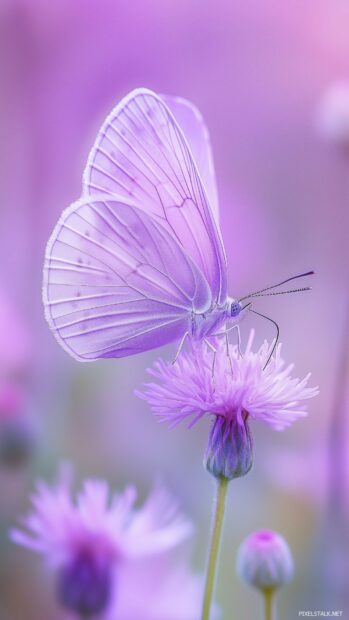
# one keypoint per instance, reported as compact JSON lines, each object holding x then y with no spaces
{"x":235,"y":308}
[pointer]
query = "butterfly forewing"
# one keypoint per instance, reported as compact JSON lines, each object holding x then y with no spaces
{"x":116,"y":282}
{"x":196,"y":133}
{"x":141,"y":153}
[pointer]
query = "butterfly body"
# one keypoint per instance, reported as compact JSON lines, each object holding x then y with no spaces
{"x":214,"y":321}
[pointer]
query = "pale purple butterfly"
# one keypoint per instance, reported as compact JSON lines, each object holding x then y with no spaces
{"x":138,"y":261}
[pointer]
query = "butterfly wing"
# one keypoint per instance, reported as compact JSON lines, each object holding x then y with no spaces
{"x":141,"y":153}
{"x":116,"y":282}
{"x":194,"y":129}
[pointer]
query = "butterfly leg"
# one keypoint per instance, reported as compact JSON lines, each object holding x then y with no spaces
{"x":226,"y":332}
{"x":228,"y":351}
{"x":239,"y":340}
{"x":180,"y":347}
{"x":214,"y":350}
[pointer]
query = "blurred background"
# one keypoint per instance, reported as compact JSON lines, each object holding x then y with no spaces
{"x":259,"y":72}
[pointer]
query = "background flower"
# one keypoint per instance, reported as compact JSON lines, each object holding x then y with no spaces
{"x":332,"y":118}
{"x":108,"y":556}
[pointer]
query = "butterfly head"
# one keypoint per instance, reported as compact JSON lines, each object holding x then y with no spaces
{"x":235,"y":308}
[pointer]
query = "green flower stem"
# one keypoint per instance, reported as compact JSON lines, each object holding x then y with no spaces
{"x":269,"y":604}
{"x":216,"y":534}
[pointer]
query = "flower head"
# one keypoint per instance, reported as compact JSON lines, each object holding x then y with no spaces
{"x":264,"y":560}
{"x":237,"y":389}
{"x":238,"y":386}
{"x":91,"y":542}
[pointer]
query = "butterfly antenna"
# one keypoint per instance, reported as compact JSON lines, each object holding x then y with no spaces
{"x":277,"y":333}
{"x":294,"y":290}
{"x":269,"y":288}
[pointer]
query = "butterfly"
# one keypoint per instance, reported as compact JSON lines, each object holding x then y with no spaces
{"x":138,"y":261}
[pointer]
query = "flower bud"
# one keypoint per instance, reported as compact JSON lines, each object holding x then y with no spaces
{"x":84,"y":585}
{"x":229,"y":452}
{"x":264,"y":560}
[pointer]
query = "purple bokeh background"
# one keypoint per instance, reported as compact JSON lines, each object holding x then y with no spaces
{"x":257,"y":71}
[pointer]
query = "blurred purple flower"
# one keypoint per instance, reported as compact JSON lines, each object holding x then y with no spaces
{"x":98,"y":543}
{"x":239,"y":388}
{"x":157,"y":588}
{"x":332,"y":115}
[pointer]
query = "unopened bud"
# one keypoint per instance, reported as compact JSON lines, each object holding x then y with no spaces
{"x":229,"y":452}
{"x":264,"y":560}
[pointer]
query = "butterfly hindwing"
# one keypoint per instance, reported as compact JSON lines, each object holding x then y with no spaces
{"x":116,"y":282}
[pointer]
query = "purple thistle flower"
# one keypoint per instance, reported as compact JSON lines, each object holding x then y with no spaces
{"x":95,"y":543}
{"x":240,"y":388}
